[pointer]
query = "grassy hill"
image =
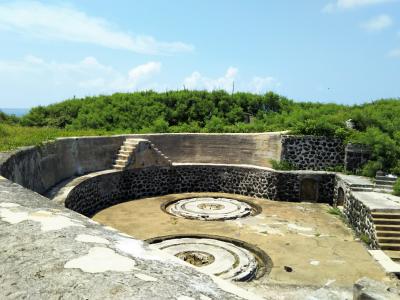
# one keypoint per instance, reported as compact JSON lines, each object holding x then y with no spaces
{"x":377,"y":123}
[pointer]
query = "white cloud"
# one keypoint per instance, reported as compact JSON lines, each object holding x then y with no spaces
{"x":377,"y":23}
{"x":263,"y":84}
{"x":198,"y":81}
{"x":257,"y":84}
{"x":350,"y":4}
{"x":395,"y":53}
{"x":144,"y":71}
{"x":36,"y":76}
{"x":56,"y":22}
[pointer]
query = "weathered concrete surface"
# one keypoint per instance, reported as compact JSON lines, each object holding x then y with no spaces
{"x":318,"y":246}
{"x":227,"y":148}
{"x":49,"y":252}
{"x":367,"y":289}
{"x":40,"y":168}
{"x":379,"y":201}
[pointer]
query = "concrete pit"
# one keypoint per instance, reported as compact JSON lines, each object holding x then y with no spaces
{"x":225,"y":258}
{"x":209,"y":208}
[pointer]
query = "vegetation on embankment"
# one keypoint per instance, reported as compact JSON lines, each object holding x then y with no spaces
{"x":14,"y":136}
{"x":377,"y":124}
{"x":396,"y":188}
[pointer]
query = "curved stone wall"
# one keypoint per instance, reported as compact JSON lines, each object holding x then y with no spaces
{"x":40,"y":168}
{"x":100,"y":192}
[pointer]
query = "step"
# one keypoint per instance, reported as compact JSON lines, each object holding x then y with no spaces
{"x":385,"y":178}
{"x":361,"y":189}
{"x":131,"y":143}
{"x":362,"y":185}
{"x":390,"y":246}
{"x":388,"y":234}
{"x":385,"y":215}
{"x":128,"y":148}
{"x":122,"y":164}
{"x":122,"y":158}
{"x":117,"y":167}
{"x":383,"y":191}
{"x":122,"y":151}
{"x":386,"y":221}
{"x":120,"y":161}
{"x":384,"y":182}
{"x":387,"y":228}
{"x":381,"y":186}
{"x":389,"y":239}
{"x":123,"y":155}
{"x":394,"y":255}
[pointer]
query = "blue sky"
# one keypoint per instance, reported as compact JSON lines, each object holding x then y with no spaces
{"x":344,"y":51}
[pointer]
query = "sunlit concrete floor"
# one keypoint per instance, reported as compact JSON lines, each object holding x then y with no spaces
{"x":318,"y":246}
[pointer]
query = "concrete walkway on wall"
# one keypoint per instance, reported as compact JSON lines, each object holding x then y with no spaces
{"x":59,"y":192}
{"x":381,"y":202}
{"x":357,"y":183}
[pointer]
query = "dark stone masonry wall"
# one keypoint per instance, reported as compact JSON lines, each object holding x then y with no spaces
{"x":290,"y":186}
{"x":105,"y":190}
{"x":312,"y":152}
{"x":356,"y":156}
{"x":357,"y":214}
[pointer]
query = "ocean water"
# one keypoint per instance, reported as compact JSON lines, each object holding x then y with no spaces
{"x":15,"y":111}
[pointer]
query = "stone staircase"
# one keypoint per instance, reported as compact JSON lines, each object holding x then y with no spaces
{"x":124,"y":154}
{"x":387,"y":227}
{"x":384,"y":183}
{"x":140,"y":151}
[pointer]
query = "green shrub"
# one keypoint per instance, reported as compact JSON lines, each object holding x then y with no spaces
{"x":282,"y":165}
{"x":377,"y":123}
{"x":385,"y":149}
{"x":370,"y":168}
{"x":396,"y":188}
{"x":12,"y":137}
{"x":337,"y":168}
{"x":3,"y":131}
{"x":335,"y":211}
{"x":315,"y":127}
{"x":396,"y":168}
{"x":365,"y":238}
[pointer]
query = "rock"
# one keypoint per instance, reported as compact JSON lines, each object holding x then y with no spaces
{"x":368,"y":289}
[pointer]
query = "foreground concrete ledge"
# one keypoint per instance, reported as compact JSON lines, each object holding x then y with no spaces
{"x":48,"y":252}
{"x":367,"y":289}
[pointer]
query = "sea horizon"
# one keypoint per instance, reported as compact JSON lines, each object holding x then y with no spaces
{"x":15,"y":111}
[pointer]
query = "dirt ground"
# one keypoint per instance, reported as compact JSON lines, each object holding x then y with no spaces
{"x":318,"y":246}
